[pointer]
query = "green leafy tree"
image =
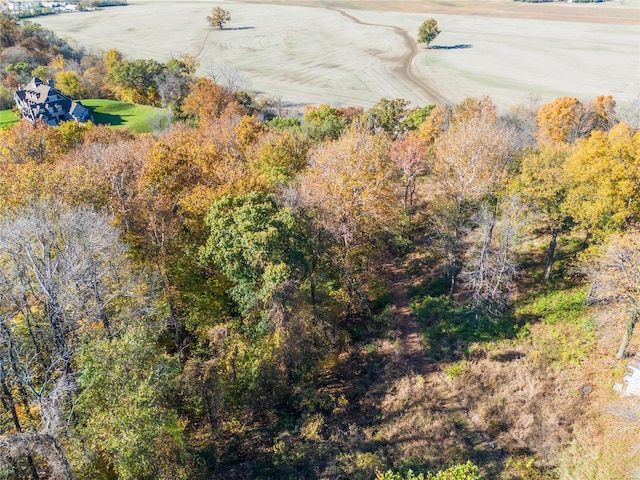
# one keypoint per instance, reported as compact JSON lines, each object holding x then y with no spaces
{"x":463,"y":471}
{"x":276,"y":158}
{"x":219,"y":16}
{"x":428,"y":31}
{"x":324,"y":122}
{"x":417,"y":116}
{"x":123,"y":426}
{"x":256,"y":246}
{"x":391,"y":475}
{"x":175,"y":84}
{"x":285,"y":124}
{"x":42,"y":71}
{"x":387,"y":116}
{"x":136,"y":81}
{"x":253,"y":243}
{"x":543,"y":187}
{"x":69,"y":83}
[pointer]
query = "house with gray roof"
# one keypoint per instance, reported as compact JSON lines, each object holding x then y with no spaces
{"x":40,"y":100}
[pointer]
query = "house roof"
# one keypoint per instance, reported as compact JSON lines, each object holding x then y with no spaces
{"x":39,"y":99}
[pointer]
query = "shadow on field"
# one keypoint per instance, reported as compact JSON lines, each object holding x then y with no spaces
{"x":452,"y":47}
{"x":239,"y":28}
{"x":101,"y":118}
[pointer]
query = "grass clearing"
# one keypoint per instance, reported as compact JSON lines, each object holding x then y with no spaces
{"x":448,"y":328}
{"x":138,"y":118}
{"x":8,"y":118}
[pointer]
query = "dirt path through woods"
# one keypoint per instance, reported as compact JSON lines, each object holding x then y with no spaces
{"x":411,"y":349}
{"x":422,"y":410}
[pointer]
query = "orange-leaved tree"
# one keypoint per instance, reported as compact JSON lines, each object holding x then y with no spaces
{"x":350,"y":186}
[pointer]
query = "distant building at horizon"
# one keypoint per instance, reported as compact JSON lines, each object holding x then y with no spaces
{"x":39,"y":100}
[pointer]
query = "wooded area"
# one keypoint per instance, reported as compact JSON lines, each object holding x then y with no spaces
{"x":357,"y":294}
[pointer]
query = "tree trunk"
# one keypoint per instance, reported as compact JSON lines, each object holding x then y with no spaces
{"x":453,"y":256}
{"x":452,"y":278}
{"x":631,"y":323}
{"x":32,"y":467}
{"x":551,"y":254}
{"x":10,"y":404}
{"x":481,"y":280}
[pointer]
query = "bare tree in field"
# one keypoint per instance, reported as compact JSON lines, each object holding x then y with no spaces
{"x":219,"y":16}
{"x":64,"y":278}
{"x":615,"y":274}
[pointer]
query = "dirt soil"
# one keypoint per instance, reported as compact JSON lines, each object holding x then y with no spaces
{"x":610,"y":13}
{"x":352,"y":53}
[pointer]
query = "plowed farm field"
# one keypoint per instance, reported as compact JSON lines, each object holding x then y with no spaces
{"x":356,"y":52}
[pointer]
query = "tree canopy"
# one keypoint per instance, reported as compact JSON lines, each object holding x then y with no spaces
{"x":379,"y":293}
{"x":219,"y":16}
{"x":428,"y":31}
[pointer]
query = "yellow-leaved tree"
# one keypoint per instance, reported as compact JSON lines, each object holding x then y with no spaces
{"x":603,"y":175}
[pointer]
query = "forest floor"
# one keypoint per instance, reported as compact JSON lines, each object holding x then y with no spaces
{"x":529,"y":397}
{"x":398,"y":407}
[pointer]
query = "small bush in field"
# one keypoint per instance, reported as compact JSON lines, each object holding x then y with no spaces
{"x":391,"y":475}
{"x":360,"y":465}
{"x":454,"y":370}
{"x":464,"y":471}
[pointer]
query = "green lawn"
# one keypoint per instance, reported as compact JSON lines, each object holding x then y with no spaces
{"x":8,"y":118}
{"x":138,"y":118}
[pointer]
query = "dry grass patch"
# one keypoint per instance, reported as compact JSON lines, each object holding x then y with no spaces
{"x":523,"y":410}
{"x":605,"y":445}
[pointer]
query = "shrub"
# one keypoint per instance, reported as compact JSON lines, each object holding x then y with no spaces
{"x":464,"y":471}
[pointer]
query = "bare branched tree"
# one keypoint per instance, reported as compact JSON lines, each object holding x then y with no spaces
{"x":470,"y":165}
{"x":491,"y":268}
{"x":64,"y":277}
{"x":615,"y":277}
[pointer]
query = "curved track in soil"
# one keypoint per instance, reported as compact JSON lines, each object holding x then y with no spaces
{"x":404,"y":68}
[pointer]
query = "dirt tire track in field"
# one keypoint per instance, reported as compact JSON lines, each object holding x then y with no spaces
{"x":405,"y":68}
{"x":204,"y":44}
